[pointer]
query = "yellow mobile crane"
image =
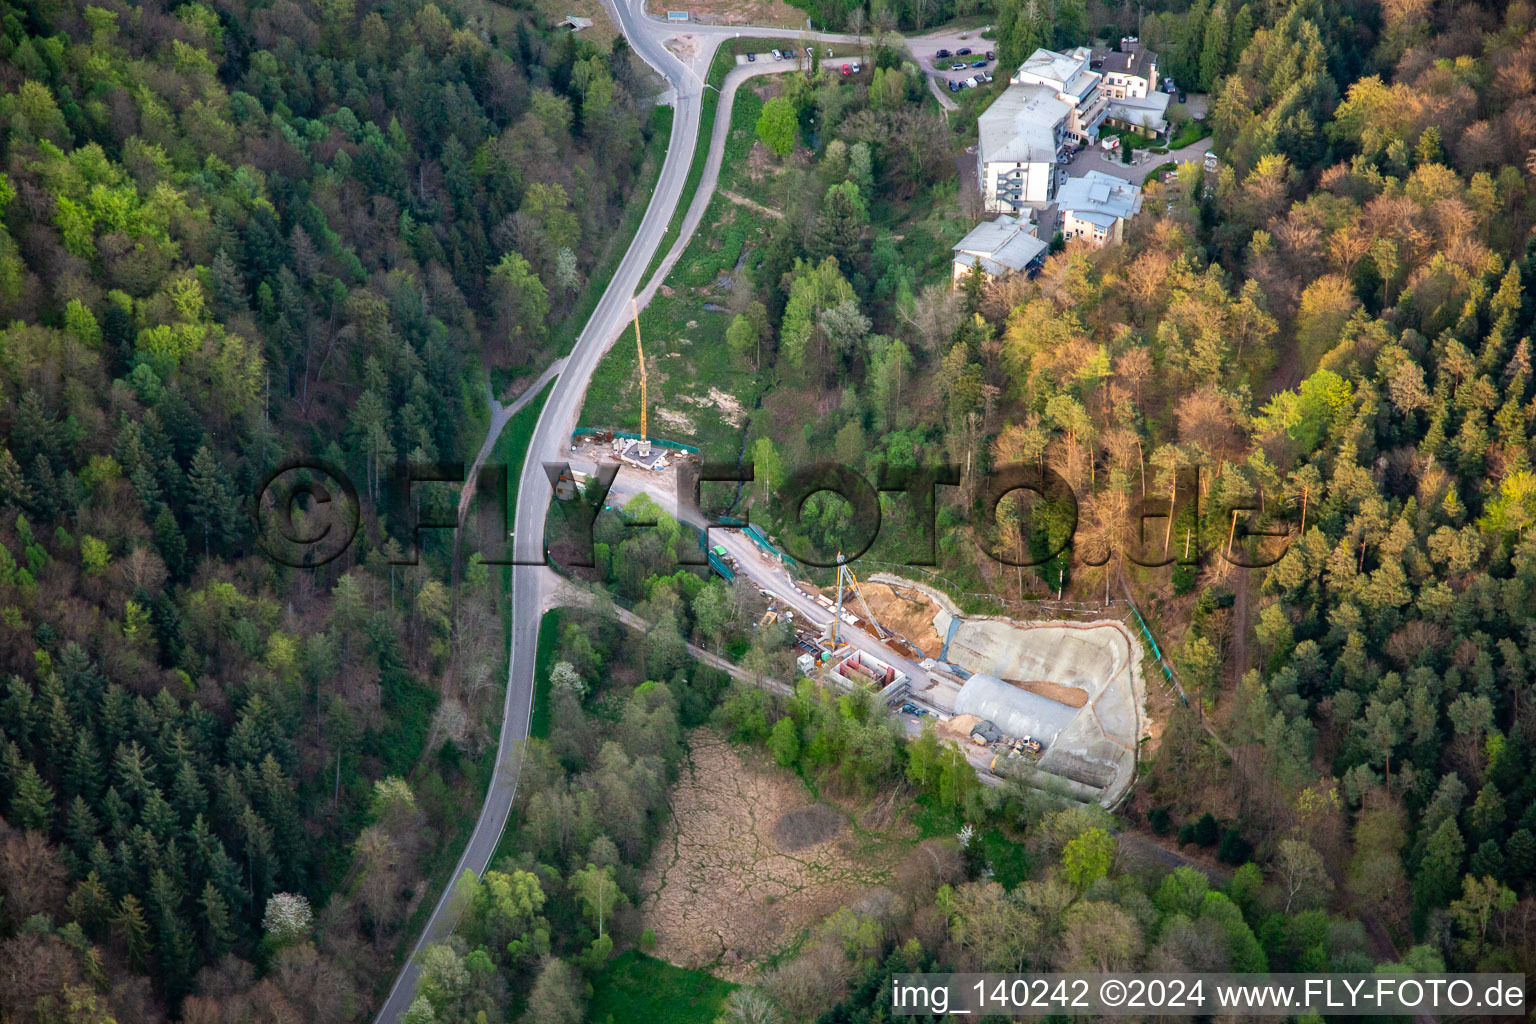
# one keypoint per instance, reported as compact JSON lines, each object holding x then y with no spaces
{"x":645,"y":442}
{"x":845,"y":577}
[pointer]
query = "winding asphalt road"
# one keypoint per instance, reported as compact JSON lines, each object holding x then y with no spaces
{"x":648,"y":36}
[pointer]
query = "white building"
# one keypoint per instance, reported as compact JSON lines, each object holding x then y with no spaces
{"x":1052,"y":101}
{"x":1096,"y":206}
{"x":1131,"y":73}
{"x":1144,"y":115}
{"x":1007,"y":245}
{"x":1019,"y":139}
{"x":1074,"y":83}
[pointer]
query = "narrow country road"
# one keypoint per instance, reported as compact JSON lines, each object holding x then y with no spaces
{"x":649,"y":37}
{"x":501,"y":415}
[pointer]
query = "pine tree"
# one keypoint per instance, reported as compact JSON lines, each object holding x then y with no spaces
{"x":228,"y":290}
{"x":1214,"y":47}
{"x":131,"y":767}
{"x":187,"y":792}
{"x":89,"y":903}
{"x":217,"y":922}
{"x":212,"y":499}
{"x":1440,"y":868}
{"x":129,"y":925}
{"x":81,"y":826}
{"x":32,"y":803}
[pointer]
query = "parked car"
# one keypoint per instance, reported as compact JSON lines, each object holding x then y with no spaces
{"x":964,"y":51}
{"x":942,"y":53}
{"x":978,"y":63}
{"x":954,"y":86}
{"x":985,"y":76}
{"x":855,"y":67}
{"x":957,"y":67}
{"x":845,"y":69}
{"x":909,"y":709}
{"x":752,"y":57}
{"x":1183,"y":96}
{"x":991,"y":55}
{"x":777,"y":55}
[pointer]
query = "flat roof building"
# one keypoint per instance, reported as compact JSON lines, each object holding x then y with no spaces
{"x":1096,"y":206}
{"x":1004,"y":246}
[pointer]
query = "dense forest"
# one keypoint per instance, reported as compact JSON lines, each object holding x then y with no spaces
{"x":232,"y":233}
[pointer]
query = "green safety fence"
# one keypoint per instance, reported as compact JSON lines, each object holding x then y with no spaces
{"x":1158,"y":652}
{"x":759,"y":538}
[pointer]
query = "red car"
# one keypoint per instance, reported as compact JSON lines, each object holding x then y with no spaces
{"x":846,"y":70}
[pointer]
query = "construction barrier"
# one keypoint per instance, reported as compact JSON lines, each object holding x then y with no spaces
{"x":758,"y":537}
{"x":1157,"y":652}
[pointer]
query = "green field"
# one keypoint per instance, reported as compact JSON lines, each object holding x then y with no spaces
{"x":725,"y":60}
{"x":1191,"y":133}
{"x":544,"y":660}
{"x":636,"y":987}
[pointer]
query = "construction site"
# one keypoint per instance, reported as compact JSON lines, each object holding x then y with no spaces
{"x":1057,"y":702}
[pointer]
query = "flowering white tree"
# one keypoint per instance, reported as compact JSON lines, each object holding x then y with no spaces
{"x":565,"y":677}
{"x":965,"y":835}
{"x":288,"y":917}
{"x":392,"y":795}
{"x":421,"y":1012}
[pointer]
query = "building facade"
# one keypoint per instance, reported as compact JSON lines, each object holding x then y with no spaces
{"x":1096,"y":206}
{"x":1131,"y":73}
{"x":1073,"y":82}
{"x":1019,"y":142}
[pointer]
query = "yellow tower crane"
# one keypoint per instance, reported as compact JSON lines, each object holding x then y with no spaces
{"x":645,"y":442}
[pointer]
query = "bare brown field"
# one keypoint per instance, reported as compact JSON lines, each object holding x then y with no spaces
{"x":775,"y":13}
{"x":748,"y":861}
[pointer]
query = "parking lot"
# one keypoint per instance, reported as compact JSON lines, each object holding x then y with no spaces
{"x":835,"y":64}
{"x":926,"y":50}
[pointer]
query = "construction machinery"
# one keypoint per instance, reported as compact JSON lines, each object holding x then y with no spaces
{"x":645,"y":441}
{"x":845,"y":577}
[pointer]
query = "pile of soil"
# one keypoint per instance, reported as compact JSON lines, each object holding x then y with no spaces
{"x":908,"y":612}
{"x":1071,"y":696}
